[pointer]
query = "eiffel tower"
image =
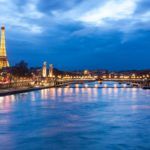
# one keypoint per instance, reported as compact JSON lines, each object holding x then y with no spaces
{"x":3,"y":56}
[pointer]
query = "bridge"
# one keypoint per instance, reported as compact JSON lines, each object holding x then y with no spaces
{"x":96,"y":85}
{"x":134,"y":82}
{"x":77,"y":83}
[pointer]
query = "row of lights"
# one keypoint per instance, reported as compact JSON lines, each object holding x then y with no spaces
{"x":78,"y":77}
{"x":96,"y":86}
{"x":133,"y":76}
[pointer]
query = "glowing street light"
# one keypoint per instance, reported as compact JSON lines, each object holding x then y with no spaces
{"x":124,"y":85}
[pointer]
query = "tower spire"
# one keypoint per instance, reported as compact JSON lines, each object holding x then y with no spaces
{"x":3,"y":54}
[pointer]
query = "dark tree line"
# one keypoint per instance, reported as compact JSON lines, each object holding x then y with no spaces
{"x":21,"y":69}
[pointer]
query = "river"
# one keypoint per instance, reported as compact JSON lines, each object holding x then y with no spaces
{"x":76,"y":119}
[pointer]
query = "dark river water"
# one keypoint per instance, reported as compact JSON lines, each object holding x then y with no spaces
{"x":76,"y":119}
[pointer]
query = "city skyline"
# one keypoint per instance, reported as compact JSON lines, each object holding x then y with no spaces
{"x":78,"y":35}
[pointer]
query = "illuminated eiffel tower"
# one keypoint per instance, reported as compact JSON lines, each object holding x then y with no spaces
{"x":3,"y":56}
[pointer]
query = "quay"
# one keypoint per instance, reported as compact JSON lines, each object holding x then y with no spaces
{"x":22,"y":87}
{"x":10,"y":91}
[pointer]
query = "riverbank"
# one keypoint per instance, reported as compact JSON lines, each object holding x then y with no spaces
{"x":146,"y":87}
{"x":27,"y":89}
{"x":10,"y":91}
{"x":17,"y":90}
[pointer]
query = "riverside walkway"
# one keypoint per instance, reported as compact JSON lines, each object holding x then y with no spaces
{"x":22,"y":87}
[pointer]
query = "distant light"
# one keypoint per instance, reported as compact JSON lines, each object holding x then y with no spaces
{"x":104,"y":77}
{"x":67,"y":86}
{"x":77,"y":85}
{"x":115,"y":77}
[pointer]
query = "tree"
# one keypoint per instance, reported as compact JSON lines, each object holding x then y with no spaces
{"x":21,"y":69}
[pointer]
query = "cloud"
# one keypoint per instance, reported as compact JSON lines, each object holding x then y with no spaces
{"x":110,"y":10}
{"x":112,"y":15}
{"x":52,"y":5}
{"x":143,"y":6}
{"x":37,"y":16}
{"x":25,"y":17}
{"x":62,"y":31}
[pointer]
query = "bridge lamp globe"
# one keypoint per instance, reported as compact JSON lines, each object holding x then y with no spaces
{"x":86,"y":85}
{"x":96,"y":86}
{"x":115,"y":85}
{"x":124,"y":85}
{"x":105,"y":85}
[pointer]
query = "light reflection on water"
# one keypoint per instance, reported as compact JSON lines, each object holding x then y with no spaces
{"x":76,"y":118}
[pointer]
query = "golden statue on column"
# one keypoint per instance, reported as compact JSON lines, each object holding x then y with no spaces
{"x":44,"y":70}
{"x":51,"y":70}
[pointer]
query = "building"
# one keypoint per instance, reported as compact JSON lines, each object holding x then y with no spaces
{"x":3,"y":55}
{"x":86,"y":73}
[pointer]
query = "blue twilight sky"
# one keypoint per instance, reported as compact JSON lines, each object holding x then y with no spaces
{"x":78,"y":34}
